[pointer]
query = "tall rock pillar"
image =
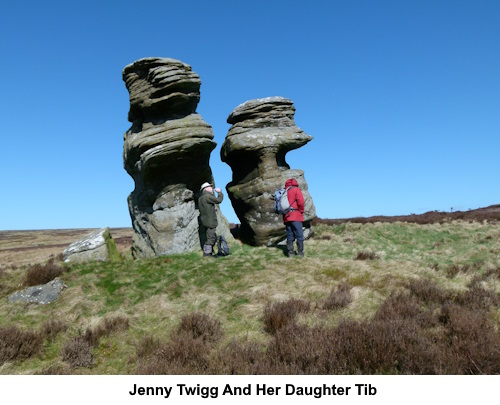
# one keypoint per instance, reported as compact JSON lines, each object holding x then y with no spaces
{"x":262,"y":132}
{"x":166,"y":151}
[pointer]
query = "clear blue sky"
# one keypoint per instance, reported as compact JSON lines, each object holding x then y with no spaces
{"x":402,"y":99}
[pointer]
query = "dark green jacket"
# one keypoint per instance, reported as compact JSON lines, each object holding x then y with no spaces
{"x":206,"y":205}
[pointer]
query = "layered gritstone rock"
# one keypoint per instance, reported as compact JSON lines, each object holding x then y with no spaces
{"x":263,"y":131}
{"x":166,"y":152}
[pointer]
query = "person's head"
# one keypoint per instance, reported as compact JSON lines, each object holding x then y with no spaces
{"x":291,"y":182}
{"x":206,"y":187}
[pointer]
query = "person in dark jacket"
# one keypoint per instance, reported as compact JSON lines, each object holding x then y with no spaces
{"x":293,"y":220}
{"x":208,"y":215}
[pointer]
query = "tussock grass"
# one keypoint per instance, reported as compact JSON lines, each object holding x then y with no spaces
{"x":339,"y":297}
{"x":258,"y":312}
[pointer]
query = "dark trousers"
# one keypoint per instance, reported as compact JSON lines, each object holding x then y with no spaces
{"x":294,"y":231}
{"x":210,"y":235}
{"x":208,"y":241}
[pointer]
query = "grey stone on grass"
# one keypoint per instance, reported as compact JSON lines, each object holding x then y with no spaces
{"x":39,"y":294}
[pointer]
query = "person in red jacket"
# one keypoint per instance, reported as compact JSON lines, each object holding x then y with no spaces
{"x":293,"y":220}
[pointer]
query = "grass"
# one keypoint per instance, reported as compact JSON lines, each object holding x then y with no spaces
{"x":403,"y":290}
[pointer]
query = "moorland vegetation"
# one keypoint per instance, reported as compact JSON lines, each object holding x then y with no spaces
{"x":372,"y":298}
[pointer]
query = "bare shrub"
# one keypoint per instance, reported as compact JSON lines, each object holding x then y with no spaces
{"x":240,"y":359}
{"x":92,"y":335}
{"x":298,"y":349}
{"x":339,"y":297}
{"x":426,"y":291}
{"x":366,"y":255}
{"x":106,"y":327}
{"x":473,"y":341}
{"x":387,"y":347}
{"x":78,"y":352}
{"x":55,"y":369}
{"x":384,"y":346}
{"x":404,"y":337}
{"x":188,"y":350}
{"x":454,"y":269}
{"x":495,"y":273}
{"x":476,"y":297}
{"x":404,"y":307}
{"x":118,"y":323}
{"x":182,"y":355}
{"x":147,"y":347}
{"x":51,"y":328}
{"x":425,"y":330}
{"x":200,"y":325}
{"x":280,"y":314}
{"x":42,"y":274}
{"x":17,"y":344}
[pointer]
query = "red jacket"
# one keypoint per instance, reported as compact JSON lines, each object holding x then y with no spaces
{"x":296,"y":200}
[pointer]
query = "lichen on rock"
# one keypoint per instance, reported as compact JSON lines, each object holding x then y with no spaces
{"x":39,"y":294}
{"x":96,"y":245}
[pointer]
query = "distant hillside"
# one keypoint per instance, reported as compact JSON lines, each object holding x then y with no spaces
{"x":490,"y":214}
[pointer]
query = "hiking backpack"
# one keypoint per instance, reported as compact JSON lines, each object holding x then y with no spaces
{"x":222,"y":246}
{"x":281,"y":204}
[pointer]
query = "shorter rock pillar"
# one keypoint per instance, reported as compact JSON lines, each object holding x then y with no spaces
{"x":263,"y":131}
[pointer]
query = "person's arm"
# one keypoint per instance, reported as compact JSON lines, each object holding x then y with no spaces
{"x":216,"y":200}
{"x":300,"y":201}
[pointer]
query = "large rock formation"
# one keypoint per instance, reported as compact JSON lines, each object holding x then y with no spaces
{"x":167,"y":152}
{"x":262,"y":132}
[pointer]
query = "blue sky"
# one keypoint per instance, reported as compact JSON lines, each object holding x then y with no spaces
{"x":402,"y":99}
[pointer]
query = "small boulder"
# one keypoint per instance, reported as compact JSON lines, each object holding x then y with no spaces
{"x":97,"y":245}
{"x":39,"y":294}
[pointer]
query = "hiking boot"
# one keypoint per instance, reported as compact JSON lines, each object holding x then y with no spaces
{"x":300,"y":247}
{"x":207,"y":250}
{"x":291,"y":251}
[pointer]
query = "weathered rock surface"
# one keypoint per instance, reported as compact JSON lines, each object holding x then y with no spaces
{"x":39,"y":294}
{"x":97,"y":245}
{"x":262,"y":132}
{"x":166,"y":152}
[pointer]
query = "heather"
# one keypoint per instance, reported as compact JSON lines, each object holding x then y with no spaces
{"x":368,"y":298}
